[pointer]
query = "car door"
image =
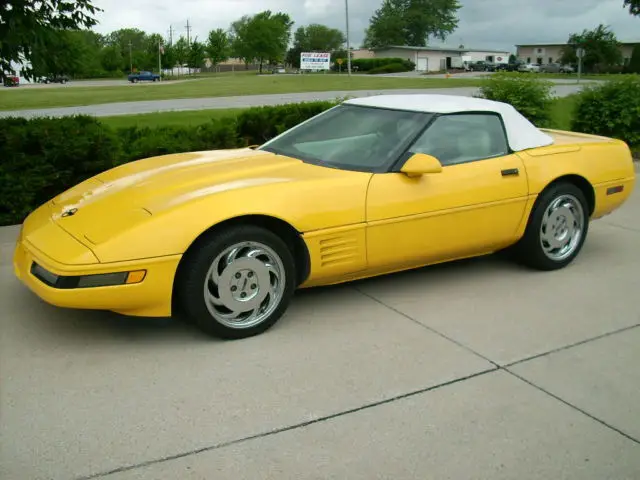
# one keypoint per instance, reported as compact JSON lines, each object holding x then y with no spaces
{"x":474,"y":206}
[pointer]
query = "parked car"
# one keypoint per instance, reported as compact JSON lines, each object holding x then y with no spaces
{"x":477,"y":66}
{"x":143,"y":77}
{"x":372,"y":186}
{"x":56,"y":78}
{"x":11,"y":81}
{"x":507,"y":67}
{"x":529,"y":67}
{"x":556,"y":68}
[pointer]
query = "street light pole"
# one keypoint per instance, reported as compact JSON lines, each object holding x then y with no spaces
{"x":346,"y":8}
{"x":130,"y":59}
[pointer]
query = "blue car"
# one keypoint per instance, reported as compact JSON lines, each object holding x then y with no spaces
{"x":143,"y":77}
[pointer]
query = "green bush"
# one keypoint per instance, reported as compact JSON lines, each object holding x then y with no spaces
{"x":43,"y":157}
{"x":390,"y":68}
{"x":144,"y":142}
{"x":611,"y":109}
{"x":529,"y":95}
{"x":259,"y":124}
{"x":367,"y":64}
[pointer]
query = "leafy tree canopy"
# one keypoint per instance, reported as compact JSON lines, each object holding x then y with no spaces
{"x":263,"y":37}
{"x":602,"y":49}
{"x":218,"y":46}
{"x":26,"y":24}
{"x":633,"y":6}
{"x":411,"y":22}
{"x":315,"y":38}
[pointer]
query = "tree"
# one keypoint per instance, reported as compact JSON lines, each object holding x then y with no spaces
{"x":111,"y":58}
{"x":601,"y":47}
{"x":168,"y":58}
{"x":238,"y":39}
{"x":263,"y":37}
{"x":65,"y":52}
{"x":152,"y":46}
{"x":218,"y":46}
{"x":196,"y":56}
{"x":634,"y":6}
{"x":513,"y":59}
{"x":133,"y":45}
{"x":314,"y":38}
{"x":180,"y":51}
{"x":411,"y":22}
{"x":25,"y":24}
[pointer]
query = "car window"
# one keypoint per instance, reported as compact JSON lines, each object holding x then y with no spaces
{"x":459,"y":138}
{"x":352,"y":137}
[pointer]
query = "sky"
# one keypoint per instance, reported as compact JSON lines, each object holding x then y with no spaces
{"x":490,"y":24}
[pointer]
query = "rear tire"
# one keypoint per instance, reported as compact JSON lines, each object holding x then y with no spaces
{"x":557,"y":228}
{"x":238,"y":282}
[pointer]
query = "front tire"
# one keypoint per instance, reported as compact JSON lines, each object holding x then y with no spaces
{"x":557,"y":228}
{"x":238,"y":282}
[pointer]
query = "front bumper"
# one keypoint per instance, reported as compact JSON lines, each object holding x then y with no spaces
{"x":57,"y":283}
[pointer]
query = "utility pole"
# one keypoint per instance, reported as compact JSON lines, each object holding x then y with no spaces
{"x":130,"y":59}
{"x":189,"y":27}
{"x":346,"y":8}
{"x":170,"y":35}
{"x":160,"y":52}
{"x":580,"y":54}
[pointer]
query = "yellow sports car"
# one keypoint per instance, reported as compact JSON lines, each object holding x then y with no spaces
{"x":372,"y":186}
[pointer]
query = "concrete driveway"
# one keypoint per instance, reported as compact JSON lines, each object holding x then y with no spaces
{"x":474,"y":370}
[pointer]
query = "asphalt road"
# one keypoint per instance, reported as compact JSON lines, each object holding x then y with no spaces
{"x":473,"y":370}
{"x":131,"y":108}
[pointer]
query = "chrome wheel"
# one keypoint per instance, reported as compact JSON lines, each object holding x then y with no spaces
{"x":562,"y":227}
{"x":244,"y":285}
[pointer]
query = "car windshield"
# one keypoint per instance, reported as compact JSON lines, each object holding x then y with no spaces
{"x":351,"y":137}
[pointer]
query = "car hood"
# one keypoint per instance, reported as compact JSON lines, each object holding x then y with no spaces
{"x":95,"y":210}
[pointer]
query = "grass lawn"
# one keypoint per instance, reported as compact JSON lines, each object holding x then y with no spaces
{"x":164,"y":119}
{"x":562,"y":111}
{"x":574,"y":76}
{"x":560,"y":116}
{"x":218,"y":86}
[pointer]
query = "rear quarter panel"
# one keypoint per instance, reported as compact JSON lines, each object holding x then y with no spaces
{"x":604,"y":162}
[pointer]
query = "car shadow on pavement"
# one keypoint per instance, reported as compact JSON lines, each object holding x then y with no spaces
{"x":75,"y":327}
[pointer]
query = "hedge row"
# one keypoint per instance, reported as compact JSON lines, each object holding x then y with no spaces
{"x":368,"y":64}
{"x":42,"y":157}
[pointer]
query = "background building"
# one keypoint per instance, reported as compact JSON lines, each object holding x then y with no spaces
{"x":434,"y":59}
{"x":544,"y":53}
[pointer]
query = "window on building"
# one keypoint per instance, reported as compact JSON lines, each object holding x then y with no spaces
{"x":528,"y":59}
{"x":550,"y":59}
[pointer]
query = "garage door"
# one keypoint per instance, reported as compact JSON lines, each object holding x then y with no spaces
{"x":423,"y":64}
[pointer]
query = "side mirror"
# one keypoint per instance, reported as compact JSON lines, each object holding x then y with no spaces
{"x":421,"y":164}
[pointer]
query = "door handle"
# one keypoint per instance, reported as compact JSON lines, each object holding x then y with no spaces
{"x":510,"y":172}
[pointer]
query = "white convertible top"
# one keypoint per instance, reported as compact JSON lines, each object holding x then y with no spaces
{"x":521,"y":133}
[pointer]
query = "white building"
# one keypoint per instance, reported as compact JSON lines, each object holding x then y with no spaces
{"x":17,"y":70}
{"x":434,"y":59}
